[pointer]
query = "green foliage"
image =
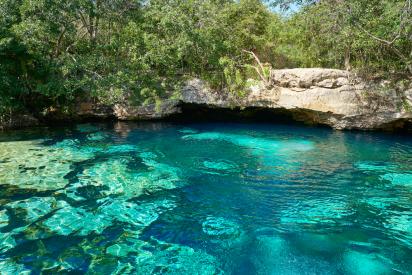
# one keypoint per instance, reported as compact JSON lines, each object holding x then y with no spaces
{"x":233,"y":76}
{"x":372,"y":37}
{"x":52,"y":52}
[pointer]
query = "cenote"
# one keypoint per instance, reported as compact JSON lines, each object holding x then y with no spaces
{"x":204,"y":198}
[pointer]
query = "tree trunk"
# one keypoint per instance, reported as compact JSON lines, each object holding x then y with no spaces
{"x":348,"y":67}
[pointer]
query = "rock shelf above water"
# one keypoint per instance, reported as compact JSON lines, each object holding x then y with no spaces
{"x":316,"y":96}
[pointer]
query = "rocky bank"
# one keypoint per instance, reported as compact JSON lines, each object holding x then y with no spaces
{"x":335,"y":98}
{"x":318,"y":96}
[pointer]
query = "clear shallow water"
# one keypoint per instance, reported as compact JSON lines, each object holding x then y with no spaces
{"x":158,"y":198}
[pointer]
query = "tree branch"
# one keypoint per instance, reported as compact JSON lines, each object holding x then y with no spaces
{"x":260,"y":72}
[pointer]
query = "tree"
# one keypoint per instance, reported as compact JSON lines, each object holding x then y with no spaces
{"x":375,"y":34}
{"x":108,"y":50}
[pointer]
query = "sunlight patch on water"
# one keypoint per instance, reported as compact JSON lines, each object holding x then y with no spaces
{"x":256,"y":143}
{"x":7,"y":241}
{"x":381,"y":203}
{"x":401,"y":225}
{"x":9,"y":267}
{"x":188,"y":131}
{"x":166,"y":258}
{"x":365,"y":263}
{"x":372,"y":166}
{"x":274,"y":255}
{"x":315,"y":212}
{"x":134,"y":256}
{"x":74,"y":220}
{"x":34,"y":208}
{"x":271,"y":152}
{"x":4,"y":218}
{"x":404,"y":179}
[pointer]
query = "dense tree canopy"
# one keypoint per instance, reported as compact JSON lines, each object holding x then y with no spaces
{"x":374,"y":36}
{"x":54,"y":51}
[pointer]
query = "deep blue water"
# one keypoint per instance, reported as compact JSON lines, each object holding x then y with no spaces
{"x":210,"y":198}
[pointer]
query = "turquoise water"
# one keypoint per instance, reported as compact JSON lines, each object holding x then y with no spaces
{"x":160,"y":198}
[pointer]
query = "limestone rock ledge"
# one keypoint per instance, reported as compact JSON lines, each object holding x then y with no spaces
{"x":330,"y":97}
{"x":317,"y":96}
{"x":148,"y":112}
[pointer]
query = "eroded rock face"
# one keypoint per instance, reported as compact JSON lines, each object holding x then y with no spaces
{"x":317,"y":96}
{"x":17,"y":121}
{"x":330,"y":97}
{"x":147,"y":112}
{"x":92,"y":109}
{"x":313,"y":77}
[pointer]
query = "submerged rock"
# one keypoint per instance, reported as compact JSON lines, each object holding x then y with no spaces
{"x":35,"y":208}
{"x":30,"y":164}
{"x":69,"y":220}
{"x":108,"y":178}
{"x":114,"y":177}
{"x":381,"y":203}
{"x":159,"y":175}
{"x":9,"y":267}
{"x":318,"y":243}
{"x":7,"y":241}
{"x":4,"y":218}
{"x":134,"y":256}
{"x":165,"y":258}
{"x":274,"y":255}
{"x":217,"y":226}
{"x":365,"y":263}
{"x":79,"y":221}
